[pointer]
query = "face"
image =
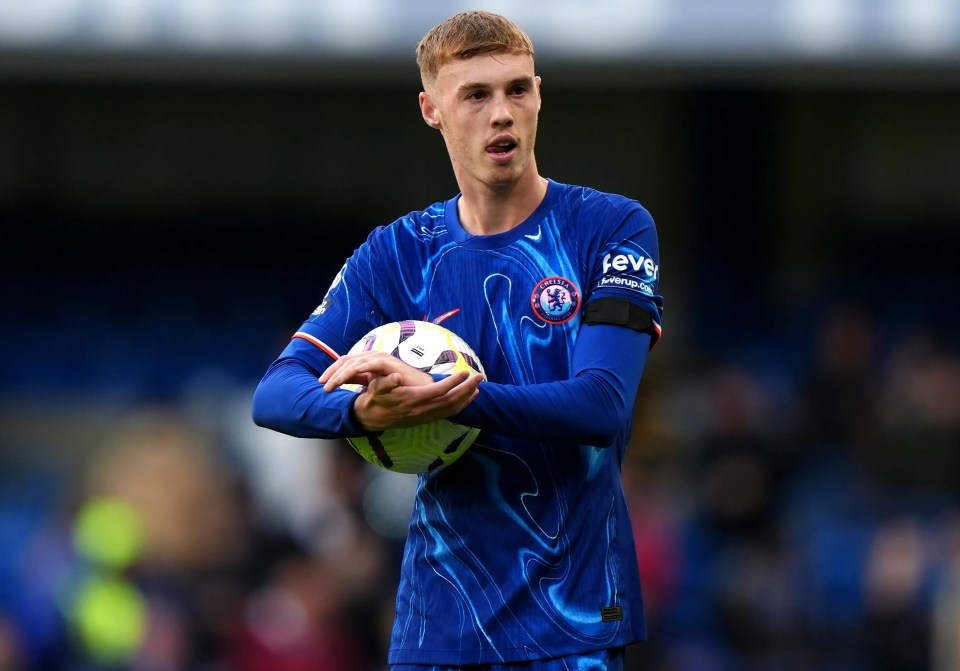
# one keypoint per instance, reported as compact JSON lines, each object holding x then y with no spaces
{"x":487,"y":108}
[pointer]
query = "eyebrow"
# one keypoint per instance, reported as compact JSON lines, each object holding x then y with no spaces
{"x":473,"y":86}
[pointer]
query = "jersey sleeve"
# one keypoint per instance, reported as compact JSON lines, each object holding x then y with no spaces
{"x":290,"y":400}
{"x":625,"y":275}
{"x":289,"y":397}
{"x":591,"y":407}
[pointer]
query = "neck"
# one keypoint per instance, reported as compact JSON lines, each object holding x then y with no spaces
{"x":488,"y":209}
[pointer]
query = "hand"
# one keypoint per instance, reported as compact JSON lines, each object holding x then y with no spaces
{"x":398,"y":394}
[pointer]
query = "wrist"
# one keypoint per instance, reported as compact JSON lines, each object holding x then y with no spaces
{"x":355,"y":419}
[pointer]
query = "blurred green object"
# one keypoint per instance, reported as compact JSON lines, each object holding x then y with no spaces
{"x":109,"y":615}
{"x":108,"y":532}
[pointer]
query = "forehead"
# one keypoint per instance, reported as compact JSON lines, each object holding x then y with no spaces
{"x":488,"y":69}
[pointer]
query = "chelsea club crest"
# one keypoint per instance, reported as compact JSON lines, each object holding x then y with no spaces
{"x":555,"y":300}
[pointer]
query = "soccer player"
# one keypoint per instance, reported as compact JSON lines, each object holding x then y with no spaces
{"x":520,"y":555}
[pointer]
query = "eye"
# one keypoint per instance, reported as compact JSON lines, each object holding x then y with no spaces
{"x":476,"y":95}
{"x":519,"y":89}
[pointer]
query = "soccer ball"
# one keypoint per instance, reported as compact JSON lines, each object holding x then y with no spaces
{"x":426,"y":447}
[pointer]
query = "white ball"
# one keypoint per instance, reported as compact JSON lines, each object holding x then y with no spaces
{"x":426,"y":447}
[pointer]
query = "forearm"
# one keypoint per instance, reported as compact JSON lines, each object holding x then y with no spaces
{"x":590,"y":408}
{"x":289,"y":399}
{"x":582,"y":410}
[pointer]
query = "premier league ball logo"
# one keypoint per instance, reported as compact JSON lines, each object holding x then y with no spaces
{"x":555,"y":300}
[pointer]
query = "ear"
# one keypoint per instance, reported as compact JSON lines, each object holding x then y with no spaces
{"x":429,"y":111}
{"x":539,"y":99}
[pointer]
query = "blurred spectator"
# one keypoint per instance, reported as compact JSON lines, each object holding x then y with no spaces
{"x":839,"y":393}
{"x":897,"y":622}
{"x":294,"y":622}
{"x":737,"y":467}
{"x":946,"y":601}
{"x":196,"y":539}
{"x":917,"y":444}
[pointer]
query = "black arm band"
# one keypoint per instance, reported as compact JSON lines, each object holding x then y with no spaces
{"x":620,"y":312}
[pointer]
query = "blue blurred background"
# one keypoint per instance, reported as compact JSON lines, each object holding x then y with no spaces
{"x":180,"y":182}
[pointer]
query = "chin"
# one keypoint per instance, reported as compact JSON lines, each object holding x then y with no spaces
{"x":501,"y":183}
{"x":505,"y":176}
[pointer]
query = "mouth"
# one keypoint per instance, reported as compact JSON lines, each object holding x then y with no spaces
{"x":501,"y":148}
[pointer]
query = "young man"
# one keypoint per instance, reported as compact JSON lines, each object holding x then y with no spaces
{"x":519,"y":555}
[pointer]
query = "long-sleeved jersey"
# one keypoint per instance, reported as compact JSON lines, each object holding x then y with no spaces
{"x":522,"y":549}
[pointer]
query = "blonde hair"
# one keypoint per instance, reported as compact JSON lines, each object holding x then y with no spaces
{"x":465,"y":35}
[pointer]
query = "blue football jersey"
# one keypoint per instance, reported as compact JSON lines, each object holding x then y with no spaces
{"x":522,"y":549}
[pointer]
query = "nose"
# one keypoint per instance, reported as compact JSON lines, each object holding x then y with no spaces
{"x":502,"y":114}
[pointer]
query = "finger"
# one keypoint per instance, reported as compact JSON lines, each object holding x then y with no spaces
{"x":349,"y":369}
{"x":348,"y":373}
{"x":385,"y":384}
{"x":452,"y":401}
{"x":339,"y":365}
{"x":443,"y":387}
{"x":334,"y":376}
{"x":331,"y":369}
{"x":462,"y":395}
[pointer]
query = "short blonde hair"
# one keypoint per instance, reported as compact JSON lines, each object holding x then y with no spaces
{"x":465,"y":35}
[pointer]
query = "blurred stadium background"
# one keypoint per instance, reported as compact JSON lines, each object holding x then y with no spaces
{"x":180,"y":181}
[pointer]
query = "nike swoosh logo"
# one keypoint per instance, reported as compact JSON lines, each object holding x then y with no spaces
{"x":536,"y":237}
{"x":446,"y":315}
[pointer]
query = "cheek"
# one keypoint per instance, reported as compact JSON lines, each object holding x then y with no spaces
{"x":532,"y":132}
{"x":456,"y":145}
{"x":458,"y":135}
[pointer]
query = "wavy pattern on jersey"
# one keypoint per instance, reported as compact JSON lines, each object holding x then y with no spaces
{"x":526,"y":575}
{"x":521,"y":338}
{"x":490,"y":621}
{"x":537,"y":552}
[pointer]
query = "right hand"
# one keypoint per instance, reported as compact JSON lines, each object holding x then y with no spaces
{"x":398,"y":394}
